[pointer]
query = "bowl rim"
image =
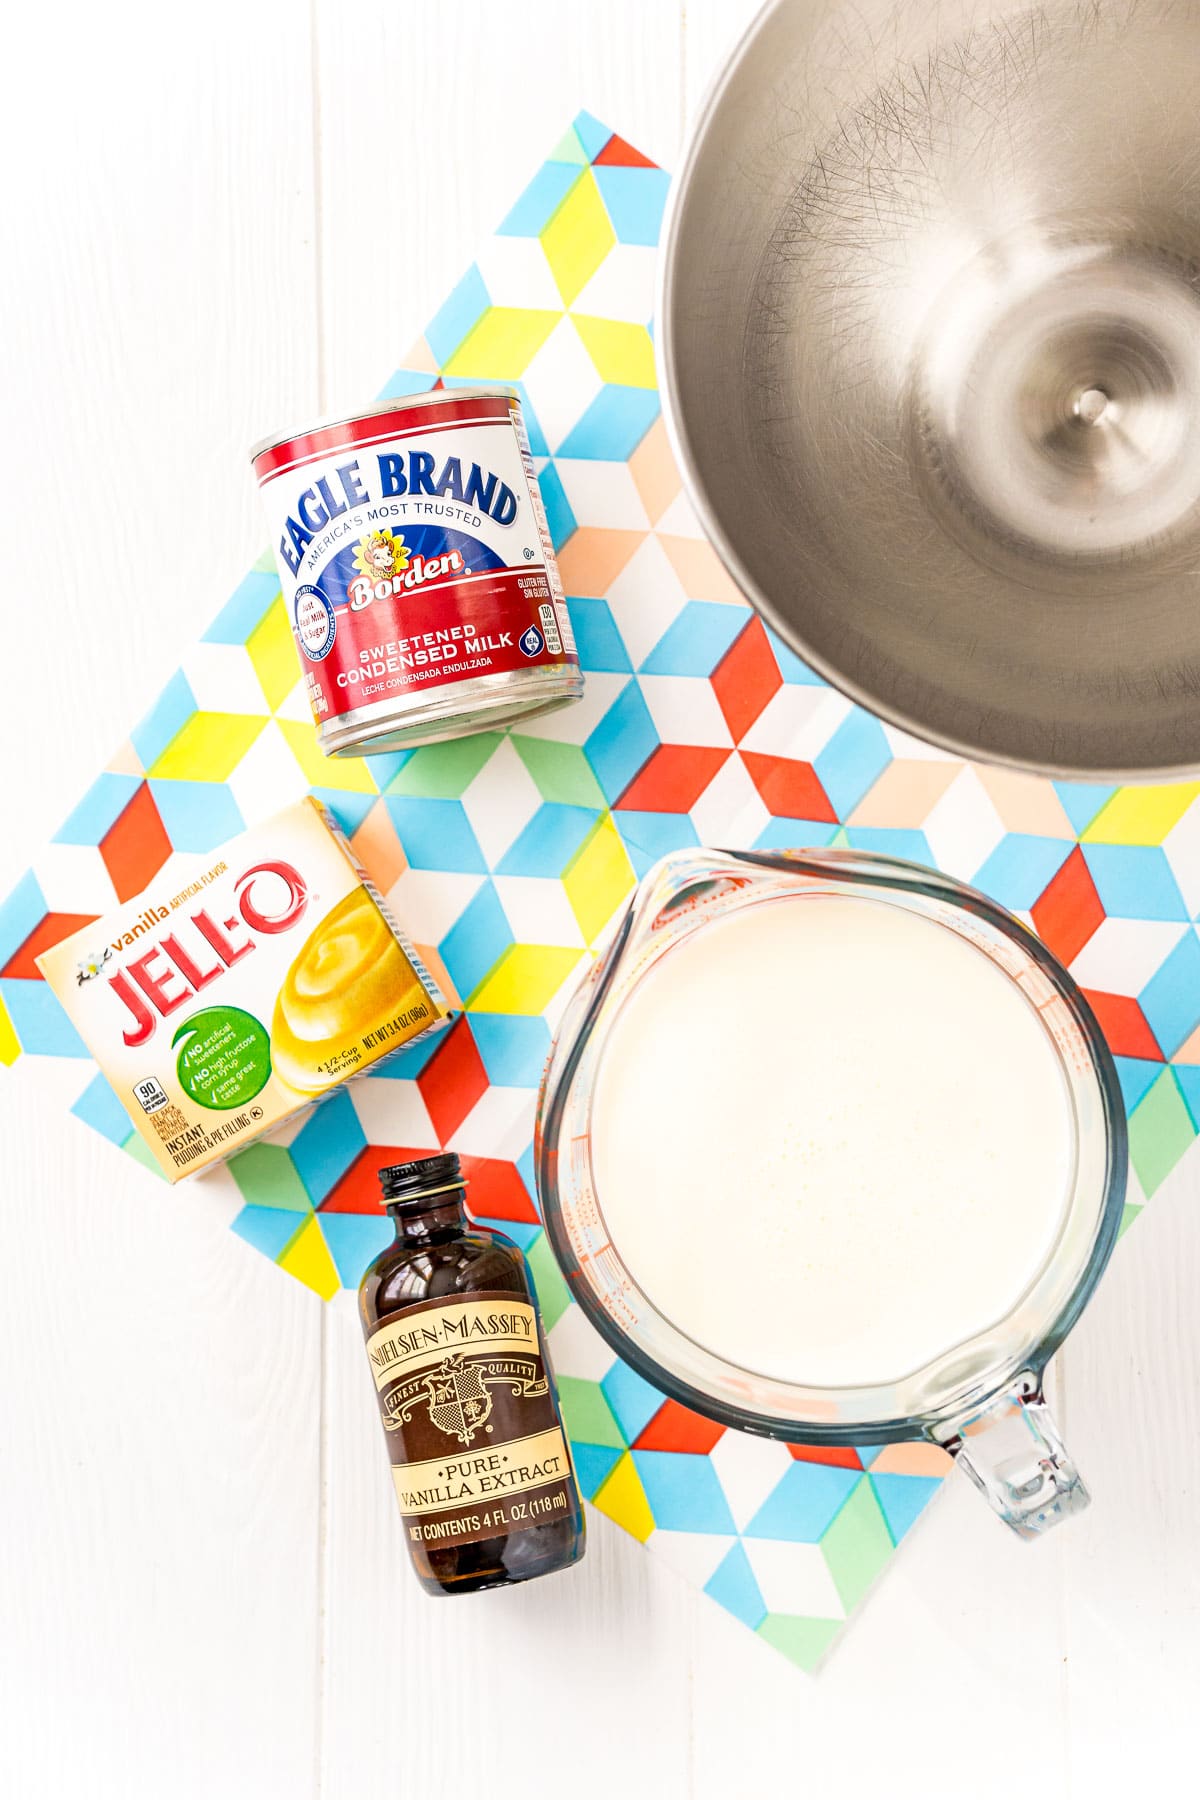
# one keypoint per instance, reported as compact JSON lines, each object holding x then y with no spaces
{"x":673,"y":411}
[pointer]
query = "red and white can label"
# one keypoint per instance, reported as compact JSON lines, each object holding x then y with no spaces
{"x":414,"y":552}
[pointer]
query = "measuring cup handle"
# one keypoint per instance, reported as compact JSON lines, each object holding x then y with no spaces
{"x":1015,"y":1457}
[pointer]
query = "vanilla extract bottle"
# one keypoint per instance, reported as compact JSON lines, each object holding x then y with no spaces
{"x":479,"y":1459}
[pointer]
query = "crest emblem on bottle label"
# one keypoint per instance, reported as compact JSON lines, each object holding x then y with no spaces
{"x":459,"y":1402}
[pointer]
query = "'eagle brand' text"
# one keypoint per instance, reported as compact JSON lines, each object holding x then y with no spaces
{"x":413,"y":472}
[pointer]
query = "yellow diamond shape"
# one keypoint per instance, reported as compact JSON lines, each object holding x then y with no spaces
{"x":526,"y":979}
{"x":598,"y":879}
{"x":1141,"y":815}
{"x":348,"y":775}
{"x":208,"y":748}
{"x":622,"y":1496}
{"x":503,"y":343}
{"x":10,"y":1046}
{"x":578,"y":238}
{"x":622,"y":353}
{"x":307,"y":1258}
{"x":272,"y":650}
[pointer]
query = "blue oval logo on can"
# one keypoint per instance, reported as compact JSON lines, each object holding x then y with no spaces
{"x":316,"y":626}
{"x":531,"y":643}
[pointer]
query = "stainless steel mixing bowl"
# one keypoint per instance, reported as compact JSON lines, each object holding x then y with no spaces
{"x":930,"y":349}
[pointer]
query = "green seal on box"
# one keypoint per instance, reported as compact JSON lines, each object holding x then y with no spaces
{"x":225,"y":1059}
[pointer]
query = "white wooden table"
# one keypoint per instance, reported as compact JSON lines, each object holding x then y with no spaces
{"x":219,"y":219}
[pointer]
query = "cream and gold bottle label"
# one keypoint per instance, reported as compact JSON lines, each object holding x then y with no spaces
{"x":473,"y":1434}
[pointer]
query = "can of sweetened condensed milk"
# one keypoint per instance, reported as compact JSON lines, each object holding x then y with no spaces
{"x":418,"y":571}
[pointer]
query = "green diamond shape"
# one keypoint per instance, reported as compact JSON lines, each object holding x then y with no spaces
{"x":1160,"y":1130}
{"x":444,"y":771}
{"x":857,"y":1544}
{"x":267,"y":1176}
{"x":137,"y":1147}
{"x":569,"y":149}
{"x":553,"y":1295}
{"x":1129,"y":1214}
{"x":561,"y":772}
{"x":802,"y":1641}
{"x":588,"y":1414}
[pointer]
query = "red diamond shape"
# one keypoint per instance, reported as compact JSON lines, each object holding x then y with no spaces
{"x":676,"y":1427}
{"x":789,"y":790}
{"x":1124,"y":1025}
{"x":673,"y":779}
{"x":838,"y":1456}
{"x":136,"y":846}
{"x":618,"y":154}
{"x":358,"y":1190}
{"x":495,"y":1190}
{"x":453,"y":1081}
{"x":1069,"y":910}
{"x":746,"y":677}
{"x":46,"y":933}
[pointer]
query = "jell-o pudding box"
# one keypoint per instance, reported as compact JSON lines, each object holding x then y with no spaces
{"x":241,"y":986}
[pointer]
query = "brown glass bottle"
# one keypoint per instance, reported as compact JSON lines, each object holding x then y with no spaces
{"x":479,"y":1458}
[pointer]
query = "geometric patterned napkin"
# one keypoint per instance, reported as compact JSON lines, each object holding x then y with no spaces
{"x":506,"y":856}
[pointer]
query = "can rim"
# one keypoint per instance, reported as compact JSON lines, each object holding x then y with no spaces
{"x":449,"y":704}
{"x":433,"y":396}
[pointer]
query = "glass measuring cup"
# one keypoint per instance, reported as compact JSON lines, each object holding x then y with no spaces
{"x":981,"y":1399}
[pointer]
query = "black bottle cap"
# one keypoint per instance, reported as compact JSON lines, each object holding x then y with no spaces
{"x":427,"y":1175}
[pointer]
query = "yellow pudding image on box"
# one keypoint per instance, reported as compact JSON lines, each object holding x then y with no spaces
{"x":241,"y":986}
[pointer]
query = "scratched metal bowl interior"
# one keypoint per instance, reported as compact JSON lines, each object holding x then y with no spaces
{"x":931,"y":348}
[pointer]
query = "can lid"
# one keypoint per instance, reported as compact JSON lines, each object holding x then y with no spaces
{"x":426,"y":1175}
{"x":399,"y":402}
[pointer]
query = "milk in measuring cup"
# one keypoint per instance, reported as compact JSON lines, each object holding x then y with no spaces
{"x":831,"y":1139}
